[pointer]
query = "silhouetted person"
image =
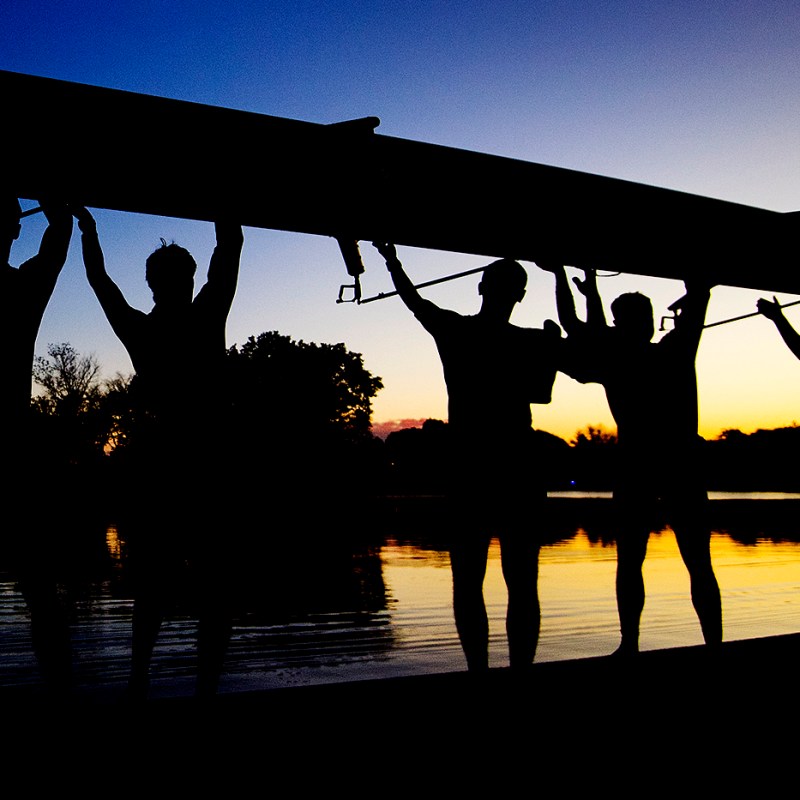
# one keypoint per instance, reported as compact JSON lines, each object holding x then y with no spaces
{"x":494,"y":371}
{"x":771,"y":309}
{"x":178,"y":354}
{"x":652,"y":394}
{"x":24,"y":295}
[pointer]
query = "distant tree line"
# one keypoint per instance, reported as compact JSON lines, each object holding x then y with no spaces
{"x":735,"y":461}
{"x":301,"y":420}
{"x":299,"y":417}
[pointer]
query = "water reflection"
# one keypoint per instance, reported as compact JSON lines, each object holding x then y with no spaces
{"x":331,"y":608}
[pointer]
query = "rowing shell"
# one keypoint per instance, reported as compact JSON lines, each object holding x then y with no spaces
{"x":106,"y":148}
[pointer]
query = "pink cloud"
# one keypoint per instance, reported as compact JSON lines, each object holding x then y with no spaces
{"x":383,"y":429}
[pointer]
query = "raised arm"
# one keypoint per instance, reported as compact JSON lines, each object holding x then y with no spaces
{"x":595,"y":315}
{"x":402,"y":283}
{"x":223,"y":270}
{"x":108,"y":293}
{"x":690,"y":311}
{"x":55,"y":244}
{"x":565,"y":303}
{"x":772,"y":311}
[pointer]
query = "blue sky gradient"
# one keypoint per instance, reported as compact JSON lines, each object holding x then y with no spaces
{"x":704,"y":98}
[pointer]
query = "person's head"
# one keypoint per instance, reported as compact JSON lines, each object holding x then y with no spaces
{"x":10,"y":213}
{"x":633,"y":316}
{"x":503,"y":281}
{"x":169,"y":272}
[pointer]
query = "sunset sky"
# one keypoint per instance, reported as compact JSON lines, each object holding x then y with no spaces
{"x":699,"y":97}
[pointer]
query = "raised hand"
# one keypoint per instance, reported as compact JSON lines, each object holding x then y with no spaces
{"x":86,"y":221}
{"x":588,"y":284}
{"x":55,"y":212}
{"x":388,"y":252}
{"x":771,"y":309}
{"x":549,"y":265}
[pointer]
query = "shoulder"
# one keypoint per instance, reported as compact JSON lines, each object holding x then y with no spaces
{"x":589,"y":355}
{"x":596,"y":337}
{"x":32,"y":274}
{"x":684,"y":336}
{"x":11,"y":281}
{"x":129,"y":316}
{"x":544,"y":345}
{"x":429,"y":314}
{"x":535,"y":335}
{"x":27,"y":267}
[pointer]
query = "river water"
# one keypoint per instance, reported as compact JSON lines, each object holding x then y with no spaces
{"x":381,"y":607}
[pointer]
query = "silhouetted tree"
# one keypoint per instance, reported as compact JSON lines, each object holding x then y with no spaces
{"x":593,"y":453}
{"x":416,"y":458}
{"x":67,"y":421}
{"x":122,"y":412}
{"x":754,"y":462}
{"x":68,"y":432}
{"x":70,"y":382}
{"x":85,"y":413}
{"x":302,"y":412}
{"x":81,"y":422}
{"x":554,"y":455}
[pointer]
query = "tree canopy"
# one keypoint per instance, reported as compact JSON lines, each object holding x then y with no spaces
{"x":301,"y":412}
{"x":314,"y":389}
{"x":70,"y":382}
{"x":300,"y":420}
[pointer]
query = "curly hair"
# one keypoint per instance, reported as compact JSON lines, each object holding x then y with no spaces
{"x":168,"y":262}
{"x":631,"y":304}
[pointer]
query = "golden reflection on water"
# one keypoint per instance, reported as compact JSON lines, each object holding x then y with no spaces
{"x":113,"y":543}
{"x":760,"y":587}
{"x":415,"y":633}
{"x":759,"y":583}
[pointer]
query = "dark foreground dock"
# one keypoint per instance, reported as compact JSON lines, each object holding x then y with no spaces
{"x":682,"y":697}
{"x":670,"y":722}
{"x":743,"y":684}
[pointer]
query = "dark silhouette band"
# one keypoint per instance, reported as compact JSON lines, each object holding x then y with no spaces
{"x":652,"y":394}
{"x":24,"y":294}
{"x":494,"y":371}
{"x":179,"y":498}
{"x":179,"y":495}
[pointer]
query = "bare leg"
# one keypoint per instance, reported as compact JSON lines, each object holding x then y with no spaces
{"x":157,"y":578}
{"x":148,"y":614}
{"x":631,"y":552}
{"x":694,"y":545}
{"x":214,"y":629}
{"x":520,"y":560}
{"x":214,"y":634}
{"x":468,"y":561}
{"x":50,"y":633}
